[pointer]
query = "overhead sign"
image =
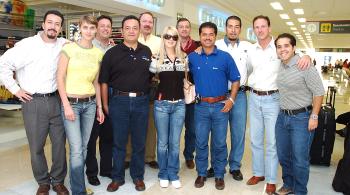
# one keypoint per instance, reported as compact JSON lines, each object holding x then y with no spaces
{"x":334,"y":27}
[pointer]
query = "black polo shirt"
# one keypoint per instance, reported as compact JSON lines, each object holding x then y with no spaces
{"x":126,"y":69}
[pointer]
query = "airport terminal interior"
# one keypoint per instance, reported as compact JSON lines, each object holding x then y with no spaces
{"x":322,"y":28}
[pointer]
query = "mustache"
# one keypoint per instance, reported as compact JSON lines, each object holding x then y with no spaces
{"x":53,"y":30}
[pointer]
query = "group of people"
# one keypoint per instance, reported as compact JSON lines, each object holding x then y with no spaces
{"x":92,"y":88}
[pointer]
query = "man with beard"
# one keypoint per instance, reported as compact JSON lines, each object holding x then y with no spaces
{"x":34,"y":60}
{"x":103,"y":131}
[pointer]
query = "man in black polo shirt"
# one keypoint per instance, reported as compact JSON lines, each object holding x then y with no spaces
{"x":125,"y":68}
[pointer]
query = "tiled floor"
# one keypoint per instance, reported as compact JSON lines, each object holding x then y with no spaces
{"x":16,"y":175}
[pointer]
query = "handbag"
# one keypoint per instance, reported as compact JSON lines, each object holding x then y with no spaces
{"x":189,"y":89}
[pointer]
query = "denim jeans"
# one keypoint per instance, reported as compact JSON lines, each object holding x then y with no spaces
{"x":238,"y":121}
{"x":190,"y":134}
{"x":263,"y":112}
{"x":78,"y":135}
{"x":169,"y":119}
{"x":293,"y":141}
{"x":209,"y":118}
{"x":129,"y":115}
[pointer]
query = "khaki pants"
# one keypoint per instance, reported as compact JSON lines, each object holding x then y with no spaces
{"x":151,"y":140}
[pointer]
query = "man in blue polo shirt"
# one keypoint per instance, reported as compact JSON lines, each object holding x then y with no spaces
{"x":211,"y":70}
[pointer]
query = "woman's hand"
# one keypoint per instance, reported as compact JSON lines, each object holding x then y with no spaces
{"x":68,"y":112}
{"x":100,"y":116}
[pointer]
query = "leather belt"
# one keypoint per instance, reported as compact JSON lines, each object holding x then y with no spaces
{"x":212,"y":100}
{"x":241,"y":88}
{"x":80,"y":100}
{"x":130,"y":94}
{"x":262,"y":93}
{"x":296,"y":111}
{"x":44,"y":94}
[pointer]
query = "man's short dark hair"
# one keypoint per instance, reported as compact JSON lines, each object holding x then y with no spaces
{"x":130,"y":17}
{"x":182,"y":20}
{"x":234,"y":18}
{"x":262,"y":17}
{"x":291,"y":38}
{"x":54,"y":12}
{"x":104,"y":17}
{"x":143,"y":13}
{"x":208,"y":25}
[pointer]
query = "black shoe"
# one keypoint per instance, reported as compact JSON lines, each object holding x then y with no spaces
{"x":210,"y":172}
{"x":237,"y":175}
{"x":126,"y":165}
{"x":93,"y":180}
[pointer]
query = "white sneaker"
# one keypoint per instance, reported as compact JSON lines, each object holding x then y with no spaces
{"x":163,"y":183}
{"x":176,"y":184}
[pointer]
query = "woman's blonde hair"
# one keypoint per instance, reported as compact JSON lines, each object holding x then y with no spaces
{"x":89,"y":19}
{"x":178,"y":52}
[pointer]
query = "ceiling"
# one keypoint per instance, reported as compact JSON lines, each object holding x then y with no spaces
{"x":314,"y":11}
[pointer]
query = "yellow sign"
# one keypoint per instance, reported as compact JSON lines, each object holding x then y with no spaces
{"x":326,"y":27}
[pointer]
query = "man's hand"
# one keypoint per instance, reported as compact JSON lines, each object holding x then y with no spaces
{"x":313,"y":123}
{"x":105,"y":109}
{"x":23,"y":95}
{"x":304,"y":62}
{"x":111,"y":42}
{"x":198,"y":50}
{"x":228,"y":106}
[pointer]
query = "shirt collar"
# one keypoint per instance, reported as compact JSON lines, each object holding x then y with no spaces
{"x":126,"y":48}
{"x":215,"y":51}
{"x":293,"y":61}
{"x":228,"y":42}
{"x":271,"y":43}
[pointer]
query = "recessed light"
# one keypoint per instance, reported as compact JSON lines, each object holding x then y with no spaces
{"x":302,"y":19}
{"x":290,"y":23}
{"x":276,"y":5}
{"x":307,"y":34}
{"x":298,"y":11}
{"x":303,"y":26}
{"x":284,"y":16}
{"x":296,"y":32}
{"x":293,"y":28}
{"x":294,"y":1}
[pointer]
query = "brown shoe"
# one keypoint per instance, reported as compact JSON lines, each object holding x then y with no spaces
{"x":139,"y":185}
{"x":285,"y":191}
{"x":190,"y":164}
{"x":60,"y":189}
{"x":114,"y":186}
{"x":254,"y":180}
{"x":200,"y":181}
{"x":43,"y":189}
{"x":219,"y":183}
{"x":153,"y":164}
{"x":270,"y":189}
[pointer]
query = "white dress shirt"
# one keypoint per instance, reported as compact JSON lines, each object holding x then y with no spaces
{"x":35,"y":64}
{"x":239,"y":53}
{"x":152,"y":41}
{"x":264,"y":66}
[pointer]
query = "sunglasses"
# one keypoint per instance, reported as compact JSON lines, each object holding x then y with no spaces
{"x":168,"y":37}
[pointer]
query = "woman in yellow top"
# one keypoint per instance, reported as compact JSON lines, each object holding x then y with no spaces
{"x":77,"y":80}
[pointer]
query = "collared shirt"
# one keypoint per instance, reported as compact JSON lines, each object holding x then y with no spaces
{"x":239,"y":53}
{"x":35,"y":64}
{"x":297,"y":87}
{"x":190,"y":46}
{"x":212,"y":72}
{"x":101,"y":46}
{"x":265,"y":65}
{"x":126,"y":69}
{"x":153,"y":42}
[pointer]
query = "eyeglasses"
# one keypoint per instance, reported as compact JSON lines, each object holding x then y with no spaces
{"x":168,"y":37}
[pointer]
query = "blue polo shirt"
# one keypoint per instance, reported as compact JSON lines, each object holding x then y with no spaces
{"x":212,"y":72}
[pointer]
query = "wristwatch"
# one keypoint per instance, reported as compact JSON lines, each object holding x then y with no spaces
{"x":314,"y":116}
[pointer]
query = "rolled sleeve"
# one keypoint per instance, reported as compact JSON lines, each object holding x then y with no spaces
{"x":314,"y":82}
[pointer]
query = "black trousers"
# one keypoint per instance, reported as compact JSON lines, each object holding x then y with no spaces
{"x":104,"y":131}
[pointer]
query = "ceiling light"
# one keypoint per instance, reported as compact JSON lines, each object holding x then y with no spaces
{"x":298,"y":11}
{"x":299,"y":36}
{"x":284,"y":16}
{"x":290,"y":23}
{"x":303,"y":26}
{"x":307,"y":34}
{"x":276,"y":5}
{"x":294,"y":1}
{"x":296,"y":32}
{"x":293,"y":28}
{"x":304,"y":30}
{"x":302,"y":19}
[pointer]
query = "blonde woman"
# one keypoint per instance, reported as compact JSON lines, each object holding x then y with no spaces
{"x":169,"y":105}
{"x":77,"y":79}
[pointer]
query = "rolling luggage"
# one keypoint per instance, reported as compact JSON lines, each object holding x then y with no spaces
{"x":322,"y":145}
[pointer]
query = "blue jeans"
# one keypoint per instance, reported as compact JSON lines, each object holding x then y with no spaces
{"x":78,"y":135}
{"x":190,"y":134}
{"x":169,"y":119}
{"x":293,"y":141}
{"x":263,"y":112}
{"x":238,"y":121}
{"x":129,"y":115}
{"x":209,"y":118}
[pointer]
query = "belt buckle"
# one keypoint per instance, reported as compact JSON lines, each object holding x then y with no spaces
{"x":132,"y":94}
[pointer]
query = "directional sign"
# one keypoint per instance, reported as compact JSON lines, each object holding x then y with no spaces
{"x":334,"y":27}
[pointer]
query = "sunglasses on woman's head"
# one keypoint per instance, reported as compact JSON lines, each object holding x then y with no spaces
{"x":168,"y":37}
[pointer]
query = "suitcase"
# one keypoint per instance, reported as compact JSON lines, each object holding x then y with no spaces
{"x":323,"y":142}
{"x":341,"y":180}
